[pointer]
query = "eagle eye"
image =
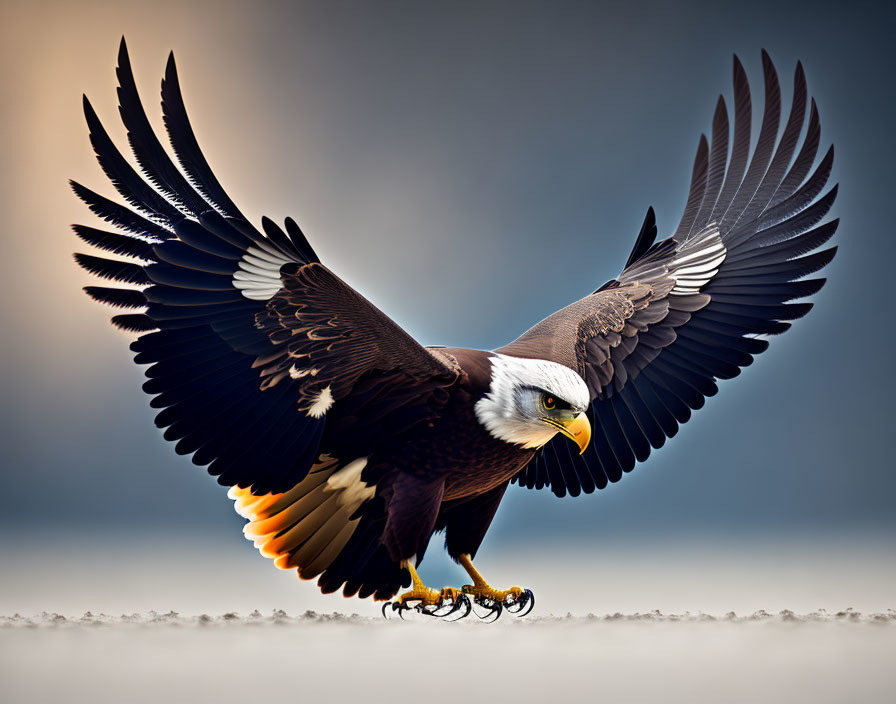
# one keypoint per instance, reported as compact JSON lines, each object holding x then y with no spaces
{"x":549,"y":402}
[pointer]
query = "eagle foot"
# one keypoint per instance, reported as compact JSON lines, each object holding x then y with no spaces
{"x":439,"y":604}
{"x":516,"y":600}
{"x":427,"y":601}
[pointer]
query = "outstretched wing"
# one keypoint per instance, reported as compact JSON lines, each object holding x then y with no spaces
{"x":693,"y":308}
{"x":250,"y":340}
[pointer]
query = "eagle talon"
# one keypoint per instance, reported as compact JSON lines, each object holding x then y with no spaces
{"x":461,"y":601}
{"x":426,"y":601}
{"x":495,"y":608}
{"x":452,"y":607}
{"x":518,"y":605}
{"x":429,"y":610}
{"x":438,"y":610}
{"x":452,"y":602}
{"x":396,"y":606}
{"x":485,"y":595}
{"x":496,"y":601}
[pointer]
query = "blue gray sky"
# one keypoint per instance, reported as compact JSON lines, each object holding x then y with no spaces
{"x":470,"y":167}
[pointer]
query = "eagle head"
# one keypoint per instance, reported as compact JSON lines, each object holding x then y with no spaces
{"x":531,"y":400}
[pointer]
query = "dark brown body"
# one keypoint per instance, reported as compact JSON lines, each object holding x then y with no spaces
{"x":447,"y":472}
{"x":474,"y":461}
{"x":437,"y":469}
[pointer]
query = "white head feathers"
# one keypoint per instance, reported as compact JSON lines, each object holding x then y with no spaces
{"x":503,"y":410}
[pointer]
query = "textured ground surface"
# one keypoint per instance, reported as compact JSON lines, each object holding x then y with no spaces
{"x":230,"y":641}
{"x":818,"y":657}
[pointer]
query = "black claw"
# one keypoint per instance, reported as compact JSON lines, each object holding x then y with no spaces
{"x":526,"y":599}
{"x":495,"y":608}
{"x":455,"y":606}
{"x":462,"y":601}
{"x":466,"y":602}
{"x":435,"y":610}
{"x":439,"y":607}
{"x":400,"y":607}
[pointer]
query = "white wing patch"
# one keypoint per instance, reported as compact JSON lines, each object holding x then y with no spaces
{"x":697,"y":261}
{"x":298,"y":373}
{"x":352,"y":492}
{"x":258,"y":275}
{"x":322,"y":403}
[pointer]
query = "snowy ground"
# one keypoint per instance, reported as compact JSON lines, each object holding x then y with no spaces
{"x":229,"y":658}
{"x":663,"y":630}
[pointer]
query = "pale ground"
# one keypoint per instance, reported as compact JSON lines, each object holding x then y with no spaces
{"x":206,"y":653}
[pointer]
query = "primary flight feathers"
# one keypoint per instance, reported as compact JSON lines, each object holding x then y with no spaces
{"x":743,"y":244}
{"x":348,"y":443}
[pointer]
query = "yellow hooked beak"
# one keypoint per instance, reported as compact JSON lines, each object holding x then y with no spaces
{"x":577,"y":429}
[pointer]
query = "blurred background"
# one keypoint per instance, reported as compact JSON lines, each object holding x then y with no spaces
{"x":470,"y":168}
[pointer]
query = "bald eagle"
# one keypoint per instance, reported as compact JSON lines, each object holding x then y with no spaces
{"x":345,"y":443}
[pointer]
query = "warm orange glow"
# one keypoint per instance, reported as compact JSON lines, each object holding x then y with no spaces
{"x":304,"y":527}
{"x":266,"y":519}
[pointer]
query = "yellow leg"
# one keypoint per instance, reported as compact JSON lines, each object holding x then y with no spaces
{"x":420,"y":592}
{"x":481,"y":588}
